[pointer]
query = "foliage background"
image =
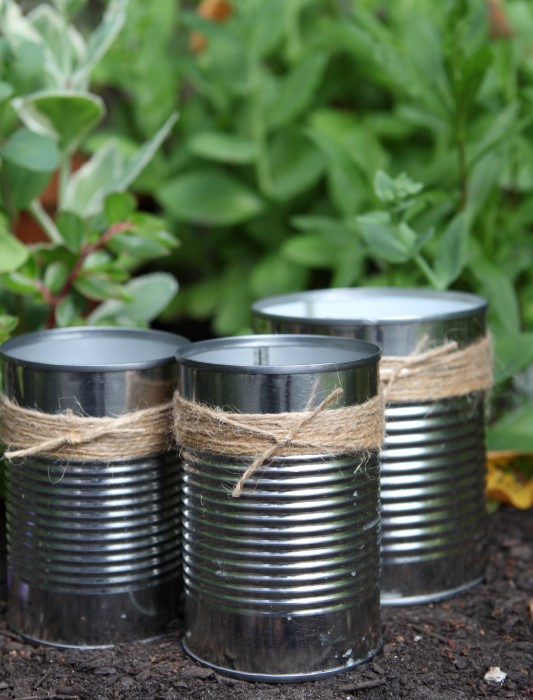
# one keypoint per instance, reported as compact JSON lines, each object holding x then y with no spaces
{"x":331,"y":143}
{"x":338,"y":143}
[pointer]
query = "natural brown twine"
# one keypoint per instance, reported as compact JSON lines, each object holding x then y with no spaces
{"x":442,"y":372}
{"x":338,"y":430}
{"x":29,"y":432}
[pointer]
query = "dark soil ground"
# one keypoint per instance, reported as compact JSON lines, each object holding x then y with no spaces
{"x":439,"y":651}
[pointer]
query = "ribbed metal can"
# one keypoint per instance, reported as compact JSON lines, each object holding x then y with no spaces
{"x":93,"y":548}
{"x":281,"y":583}
{"x":433,"y":530}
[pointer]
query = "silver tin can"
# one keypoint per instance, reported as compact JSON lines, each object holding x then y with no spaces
{"x":433,"y":461}
{"x":93,"y":548}
{"x":281,"y":583}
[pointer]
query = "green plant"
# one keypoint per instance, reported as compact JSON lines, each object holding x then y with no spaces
{"x":329,"y":143}
{"x":96,"y":240}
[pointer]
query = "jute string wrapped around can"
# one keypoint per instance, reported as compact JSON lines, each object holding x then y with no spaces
{"x":29,"y":432}
{"x":442,"y":372}
{"x":335,"y":431}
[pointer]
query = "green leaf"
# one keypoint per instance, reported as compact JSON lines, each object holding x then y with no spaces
{"x":513,"y":431}
{"x":97,"y":287}
{"x":20,"y":284}
{"x":350,"y":266}
{"x":138,"y":162}
{"x":66,"y":115}
{"x":311,"y":250}
{"x":137,"y":248}
{"x":452,"y":251}
{"x":342,"y":134}
{"x":327,"y":243}
{"x":98,"y":260}
{"x":225,"y":148}
{"x":87,"y":187}
{"x":7,"y":326}
{"x":6,"y":90}
{"x":202,"y":298}
{"x":393,"y":190}
{"x":296,"y":91}
{"x":69,"y":311}
{"x":55,"y":276}
{"x":496,"y":286}
{"x":513,"y":353}
{"x":499,"y":127}
{"x":267,"y":25}
{"x":31,"y":151}
{"x":118,"y":206}
{"x":109,"y":172}
{"x":471,"y":73}
{"x":483,"y":181}
{"x":347,"y":186}
{"x":101,"y":38}
{"x":210,"y":198}
{"x":13,"y":253}
{"x":153,"y":228}
{"x":62,"y":42}
{"x":27,"y":65}
{"x":384,"y":240}
{"x":295,"y":165}
{"x":23,"y":185}
{"x":233,"y":310}
{"x":275,"y":275}
{"x":72,"y":229}
{"x":69,"y":8}
{"x":148,"y":296}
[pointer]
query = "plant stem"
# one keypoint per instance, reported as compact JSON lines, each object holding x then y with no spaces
{"x":45,"y":222}
{"x":53,"y":300}
{"x":426,"y":269}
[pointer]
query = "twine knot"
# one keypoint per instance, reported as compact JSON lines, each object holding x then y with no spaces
{"x":439,"y":373}
{"x":348,"y":429}
{"x":28,"y":432}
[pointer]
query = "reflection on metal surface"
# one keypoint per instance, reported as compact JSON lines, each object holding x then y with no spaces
{"x":281,"y":583}
{"x":94,"y":555}
{"x":93,"y":550}
{"x":433,"y":506}
{"x":433,"y":461}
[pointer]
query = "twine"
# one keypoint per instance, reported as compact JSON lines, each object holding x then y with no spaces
{"x":29,"y":432}
{"x":341,"y":430}
{"x":442,"y":372}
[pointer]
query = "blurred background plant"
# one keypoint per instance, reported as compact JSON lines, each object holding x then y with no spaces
{"x":320,"y":143}
{"x":72,"y":237}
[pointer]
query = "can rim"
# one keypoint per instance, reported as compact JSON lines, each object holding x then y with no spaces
{"x":473,"y":303}
{"x":169,"y":342}
{"x":186,"y":354}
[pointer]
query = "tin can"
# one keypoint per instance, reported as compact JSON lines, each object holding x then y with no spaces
{"x":433,"y":533}
{"x":93,"y":548}
{"x":281,"y":583}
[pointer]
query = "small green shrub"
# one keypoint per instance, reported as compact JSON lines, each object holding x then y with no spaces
{"x":95,"y":239}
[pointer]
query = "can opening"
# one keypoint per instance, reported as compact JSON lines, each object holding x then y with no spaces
{"x":92,"y":348}
{"x":365,"y":306}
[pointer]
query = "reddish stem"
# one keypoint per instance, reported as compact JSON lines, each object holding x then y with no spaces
{"x":87,"y":249}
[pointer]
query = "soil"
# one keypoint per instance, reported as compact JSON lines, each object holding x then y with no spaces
{"x":439,"y":651}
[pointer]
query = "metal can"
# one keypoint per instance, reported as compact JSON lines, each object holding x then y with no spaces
{"x":433,"y":532}
{"x":281,"y":583}
{"x":93,"y":547}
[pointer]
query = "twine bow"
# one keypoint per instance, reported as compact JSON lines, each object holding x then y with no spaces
{"x":29,"y":432}
{"x":337,"y":431}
